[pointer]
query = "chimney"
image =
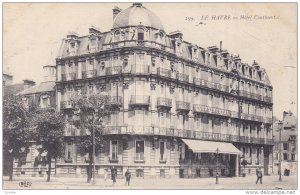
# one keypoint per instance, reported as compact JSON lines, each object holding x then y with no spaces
{"x":28,"y":83}
{"x":116,"y":10}
{"x":49,"y":73}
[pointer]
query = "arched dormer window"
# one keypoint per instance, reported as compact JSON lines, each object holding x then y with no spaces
{"x":117,"y":35}
{"x":44,"y":101}
{"x":140,"y":34}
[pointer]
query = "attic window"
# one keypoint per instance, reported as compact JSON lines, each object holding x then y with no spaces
{"x":125,"y":62}
{"x":72,"y":45}
{"x":117,"y":35}
{"x":140,"y":35}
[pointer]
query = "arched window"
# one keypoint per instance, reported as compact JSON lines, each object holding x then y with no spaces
{"x":140,"y":34}
{"x":117,"y":35}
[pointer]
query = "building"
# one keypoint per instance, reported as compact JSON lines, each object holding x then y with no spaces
{"x":41,"y":96}
{"x":180,"y":110}
{"x":288,"y":143}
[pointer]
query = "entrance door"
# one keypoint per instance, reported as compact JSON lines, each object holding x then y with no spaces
{"x":266,"y":161}
{"x":181,"y":174}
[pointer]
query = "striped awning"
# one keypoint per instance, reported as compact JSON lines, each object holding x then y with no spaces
{"x":199,"y":146}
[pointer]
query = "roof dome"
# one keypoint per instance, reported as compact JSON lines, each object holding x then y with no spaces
{"x":137,"y":15}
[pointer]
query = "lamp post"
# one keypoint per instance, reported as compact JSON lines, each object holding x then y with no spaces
{"x":280,"y":128}
{"x":92,"y":118}
{"x":217,"y":174}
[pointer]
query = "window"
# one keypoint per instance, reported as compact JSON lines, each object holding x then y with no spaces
{"x":285,"y":156}
{"x":292,"y":157}
{"x":139,"y":150}
{"x":285,"y":146}
{"x":140,"y":35}
{"x":114,"y":150}
{"x":161,"y":150}
{"x":180,"y":150}
{"x":117,"y":35}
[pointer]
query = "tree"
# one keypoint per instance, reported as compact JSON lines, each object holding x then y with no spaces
{"x":16,"y":129}
{"x":49,"y":126}
{"x":91,"y":111}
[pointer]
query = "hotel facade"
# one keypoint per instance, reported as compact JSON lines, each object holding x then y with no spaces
{"x":181,"y":111}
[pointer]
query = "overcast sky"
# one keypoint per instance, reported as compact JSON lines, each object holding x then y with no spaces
{"x":32,"y":32}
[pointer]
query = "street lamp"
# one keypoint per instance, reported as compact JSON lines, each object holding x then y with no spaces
{"x":217,"y":175}
{"x":280,"y":128}
{"x":92,"y":118}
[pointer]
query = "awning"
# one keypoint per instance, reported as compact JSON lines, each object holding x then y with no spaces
{"x":199,"y":146}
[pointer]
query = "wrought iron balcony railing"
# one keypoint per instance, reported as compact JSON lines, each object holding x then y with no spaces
{"x":164,"y":72}
{"x":140,"y":69}
{"x":116,"y":101}
{"x":267,"y":120}
{"x":181,"y":105}
{"x":164,"y":102}
{"x":114,"y":70}
{"x":140,"y":100}
{"x":182,"y":77}
{"x":71,"y":76}
{"x":211,"y":110}
{"x":212,"y":85}
{"x":267,"y":99}
{"x":89,"y":74}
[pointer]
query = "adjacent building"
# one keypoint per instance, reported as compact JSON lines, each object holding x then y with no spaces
{"x":289,"y":146}
{"x":179,"y":108}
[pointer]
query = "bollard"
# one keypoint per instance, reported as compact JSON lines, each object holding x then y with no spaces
{"x":217,"y":178}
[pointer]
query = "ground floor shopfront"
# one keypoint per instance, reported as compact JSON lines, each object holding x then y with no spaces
{"x":149,"y":157}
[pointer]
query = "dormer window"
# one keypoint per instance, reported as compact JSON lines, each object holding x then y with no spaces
{"x":117,"y":35}
{"x":125,"y":62}
{"x":45,"y":101}
{"x":72,"y":45}
{"x":140,"y":35}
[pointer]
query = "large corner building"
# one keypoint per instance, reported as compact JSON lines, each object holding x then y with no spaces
{"x":181,"y":110}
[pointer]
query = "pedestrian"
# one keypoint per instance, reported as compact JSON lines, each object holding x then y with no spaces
{"x":105,"y":174}
{"x":259,"y":175}
{"x":113,"y":176}
{"x":127,"y":176}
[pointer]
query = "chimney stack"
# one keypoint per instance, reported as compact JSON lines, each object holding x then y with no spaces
{"x":28,"y":83}
{"x":116,"y":10}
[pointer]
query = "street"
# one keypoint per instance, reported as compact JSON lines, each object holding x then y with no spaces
{"x":242,"y":183}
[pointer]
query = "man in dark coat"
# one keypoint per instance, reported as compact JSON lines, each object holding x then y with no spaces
{"x":113,"y":176}
{"x":127,"y":176}
{"x":259,"y":175}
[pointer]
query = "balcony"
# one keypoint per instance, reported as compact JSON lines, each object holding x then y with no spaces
{"x":164,"y":102}
{"x":267,"y":120}
{"x":140,"y":100}
{"x":70,"y":132}
{"x":245,"y":93}
{"x":71,"y":76}
{"x":182,"y":77}
{"x":211,"y":110}
{"x":164,"y":72}
{"x":68,"y":160}
{"x":182,"y":133}
{"x":234,"y":114}
{"x":267,"y":99}
{"x":66,"y":105}
{"x":140,"y":69}
{"x":89,"y":74}
{"x":113,"y":160}
{"x":139,"y":158}
{"x":246,"y":116}
{"x":212,"y":85}
{"x":113,"y":70}
{"x":116,"y":101}
{"x":180,"y":105}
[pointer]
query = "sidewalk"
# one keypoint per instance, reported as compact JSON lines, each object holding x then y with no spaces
{"x":243,"y":183}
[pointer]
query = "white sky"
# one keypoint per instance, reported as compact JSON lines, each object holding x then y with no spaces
{"x":31,"y":32}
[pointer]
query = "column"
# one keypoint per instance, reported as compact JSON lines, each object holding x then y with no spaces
{"x":79,"y":73}
{"x":58,"y":72}
{"x":58,"y":98}
{"x":237,"y":161}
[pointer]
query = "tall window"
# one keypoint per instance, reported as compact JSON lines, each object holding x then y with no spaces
{"x":140,"y":35}
{"x":285,"y":146}
{"x":114,"y":150}
{"x":180,"y":151}
{"x":162,"y":150}
{"x":293,"y":157}
{"x":285,"y":156}
{"x":139,"y":150}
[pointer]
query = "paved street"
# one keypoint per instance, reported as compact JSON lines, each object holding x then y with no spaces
{"x":269,"y":182}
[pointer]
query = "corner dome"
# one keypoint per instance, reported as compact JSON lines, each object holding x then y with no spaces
{"x":136,"y":15}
